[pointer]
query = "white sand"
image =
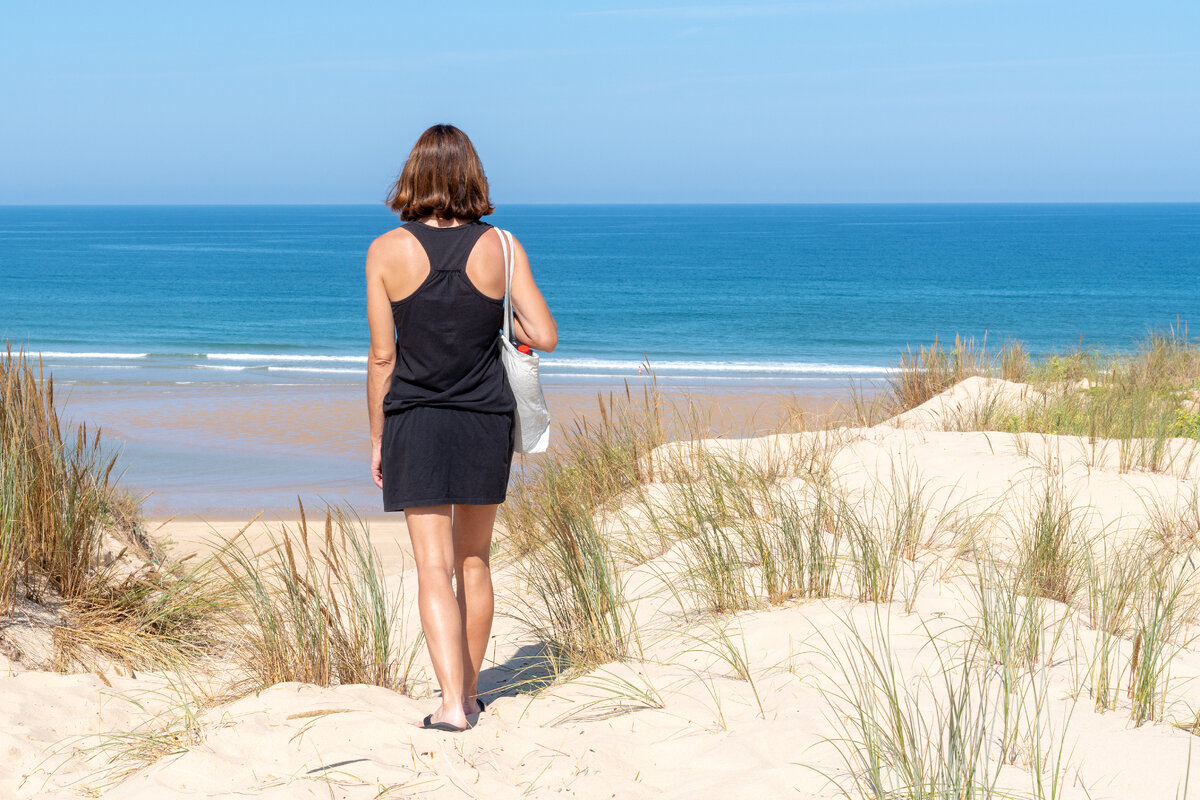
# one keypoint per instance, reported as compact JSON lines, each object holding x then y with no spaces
{"x":709,"y":739}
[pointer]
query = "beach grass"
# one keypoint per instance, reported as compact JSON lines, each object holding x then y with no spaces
{"x":315,"y":607}
{"x":575,"y":602}
{"x":731,"y":527}
{"x":60,"y":508}
{"x":1145,"y":401}
{"x":930,"y":739}
{"x":54,"y":488}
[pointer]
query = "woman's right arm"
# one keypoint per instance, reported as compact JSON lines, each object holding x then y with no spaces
{"x":382,"y":357}
{"x":535,"y":325}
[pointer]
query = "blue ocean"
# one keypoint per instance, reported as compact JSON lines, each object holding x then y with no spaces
{"x":707,"y":294}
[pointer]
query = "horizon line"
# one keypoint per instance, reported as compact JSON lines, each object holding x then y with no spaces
{"x":638,"y":204}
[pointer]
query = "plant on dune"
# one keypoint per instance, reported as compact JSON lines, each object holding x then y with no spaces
{"x":932,"y":370}
{"x":721,"y":645}
{"x":54,"y":488}
{"x":57,"y":502}
{"x":593,"y":465}
{"x":714,"y":514}
{"x":1165,"y":360}
{"x":578,"y":607}
{"x":933,"y":734}
{"x":315,"y":607}
{"x":1157,"y":626}
{"x":1073,"y":366}
{"x":883,"y":531}
{"x":1175,"y":528}
{"x":804,"y":546}
{"x":1052,"y":546}
{"x":1014,"y":362}
{"x":169,"y":725}
{"x":810,"y":454}
{"x":158,"y":615}
{"x":1115,"y":580}
{"x":615,"y":695}
{"x":923,"y":739}
{"x":1010,"y":636}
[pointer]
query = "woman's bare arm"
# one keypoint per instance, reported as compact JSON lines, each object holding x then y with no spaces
{"x":535,"y":325}
{"x":381,"y":359}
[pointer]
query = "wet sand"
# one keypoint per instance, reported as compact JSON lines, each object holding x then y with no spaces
{"x":223,"y":452}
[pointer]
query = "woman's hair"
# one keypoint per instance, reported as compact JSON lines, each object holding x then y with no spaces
{"x":443,"y":177}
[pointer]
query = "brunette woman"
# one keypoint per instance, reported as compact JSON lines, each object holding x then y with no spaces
{"x":440,"y":407}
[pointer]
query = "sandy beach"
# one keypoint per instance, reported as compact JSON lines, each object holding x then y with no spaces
{"x":917,"y":650}
{"x":231,"y":452}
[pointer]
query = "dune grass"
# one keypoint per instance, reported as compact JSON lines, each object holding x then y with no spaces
{"x":594,"y":464}
{"x":1145,"y":401}
{"x":927,"y":740}
{"x":576,"y":602}
{"x":54,"y":489}
{"x":1052,"y":544}
{"x":931,"y":370}
{"x":58,"y":501}
{"x":315,"y":607}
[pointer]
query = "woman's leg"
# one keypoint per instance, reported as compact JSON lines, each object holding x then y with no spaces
{"x":432,"y":536}
{"x":472,"y":548}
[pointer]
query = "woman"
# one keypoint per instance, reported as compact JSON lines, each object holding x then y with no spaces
{"x":440,"y":406}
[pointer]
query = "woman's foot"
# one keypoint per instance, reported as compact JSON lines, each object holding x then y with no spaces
{"x":446,"y":719}
{"x":475,"y":706}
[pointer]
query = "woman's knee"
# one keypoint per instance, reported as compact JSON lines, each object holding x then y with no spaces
{"x":434,"y":574}
{"x":474,"y":568}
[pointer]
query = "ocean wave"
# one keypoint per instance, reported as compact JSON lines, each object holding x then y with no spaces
{"x":280,"y":357}
{"x":58,"y":354}
{"x":701,"y":367}
{"x":316,"y":369}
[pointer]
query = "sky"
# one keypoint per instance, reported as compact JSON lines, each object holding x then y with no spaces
{"x":825,"y":101}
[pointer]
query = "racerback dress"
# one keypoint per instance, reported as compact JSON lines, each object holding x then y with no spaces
{"x":448,"y":414}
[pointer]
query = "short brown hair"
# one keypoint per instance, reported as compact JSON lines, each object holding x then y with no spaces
{"x":443,"y":177}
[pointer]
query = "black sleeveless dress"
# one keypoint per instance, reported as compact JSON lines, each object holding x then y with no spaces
{"x":448,"y":415}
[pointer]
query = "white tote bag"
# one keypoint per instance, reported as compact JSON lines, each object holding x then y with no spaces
{"x":532,"y":419}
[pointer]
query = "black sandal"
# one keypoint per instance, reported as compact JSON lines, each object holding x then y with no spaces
{"x":430,"y":725}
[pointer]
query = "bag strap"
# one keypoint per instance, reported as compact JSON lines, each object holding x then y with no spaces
{"x":507,"y":245}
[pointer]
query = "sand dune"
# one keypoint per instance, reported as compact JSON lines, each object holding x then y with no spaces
{"x":678,"y":721}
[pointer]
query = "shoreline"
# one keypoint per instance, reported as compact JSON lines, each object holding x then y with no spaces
{"x":225,"y":453}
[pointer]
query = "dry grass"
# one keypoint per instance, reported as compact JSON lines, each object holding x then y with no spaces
{"x":593,"y":466}
{"x":315,"y":607}
{"x":932,"y":370}
{"x":54,"y":489}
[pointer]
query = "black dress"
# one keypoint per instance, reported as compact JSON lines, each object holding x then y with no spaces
{"x":448,"y":415}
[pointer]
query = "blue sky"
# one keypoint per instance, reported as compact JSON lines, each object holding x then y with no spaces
{"x":821,"y":101}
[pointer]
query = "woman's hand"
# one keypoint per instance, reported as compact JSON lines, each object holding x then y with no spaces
{"x":377,"y":463}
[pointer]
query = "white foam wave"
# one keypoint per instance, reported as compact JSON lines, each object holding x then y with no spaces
{"x":701,"y":367}
{"x":315,"y":369}
{"x":221,"y":366}
{"x":281,"y":357}
{"x":57,"y":354}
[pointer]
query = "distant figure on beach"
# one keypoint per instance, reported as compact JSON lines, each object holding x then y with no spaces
{"x":440,"y":407}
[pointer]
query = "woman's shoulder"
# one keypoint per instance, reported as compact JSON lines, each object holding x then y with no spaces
{"x":396,"y":248}
{"x":397,"y":241}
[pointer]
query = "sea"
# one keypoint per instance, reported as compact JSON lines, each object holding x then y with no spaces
{"x":713,"y":295}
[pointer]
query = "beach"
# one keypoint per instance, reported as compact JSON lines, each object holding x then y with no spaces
{"x":911,"y":633}
{"x":234,"y":451}
{"x":840,"y":502}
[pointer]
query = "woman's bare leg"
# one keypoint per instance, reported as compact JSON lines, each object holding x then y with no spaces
{"x":472,"y":547}
{"x":433,"y":535}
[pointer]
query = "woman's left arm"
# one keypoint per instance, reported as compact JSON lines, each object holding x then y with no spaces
{"x":381,"y":359}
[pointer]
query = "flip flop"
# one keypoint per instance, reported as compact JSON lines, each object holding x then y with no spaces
{"x":481,"y":705}
{"x":429,"y":724}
